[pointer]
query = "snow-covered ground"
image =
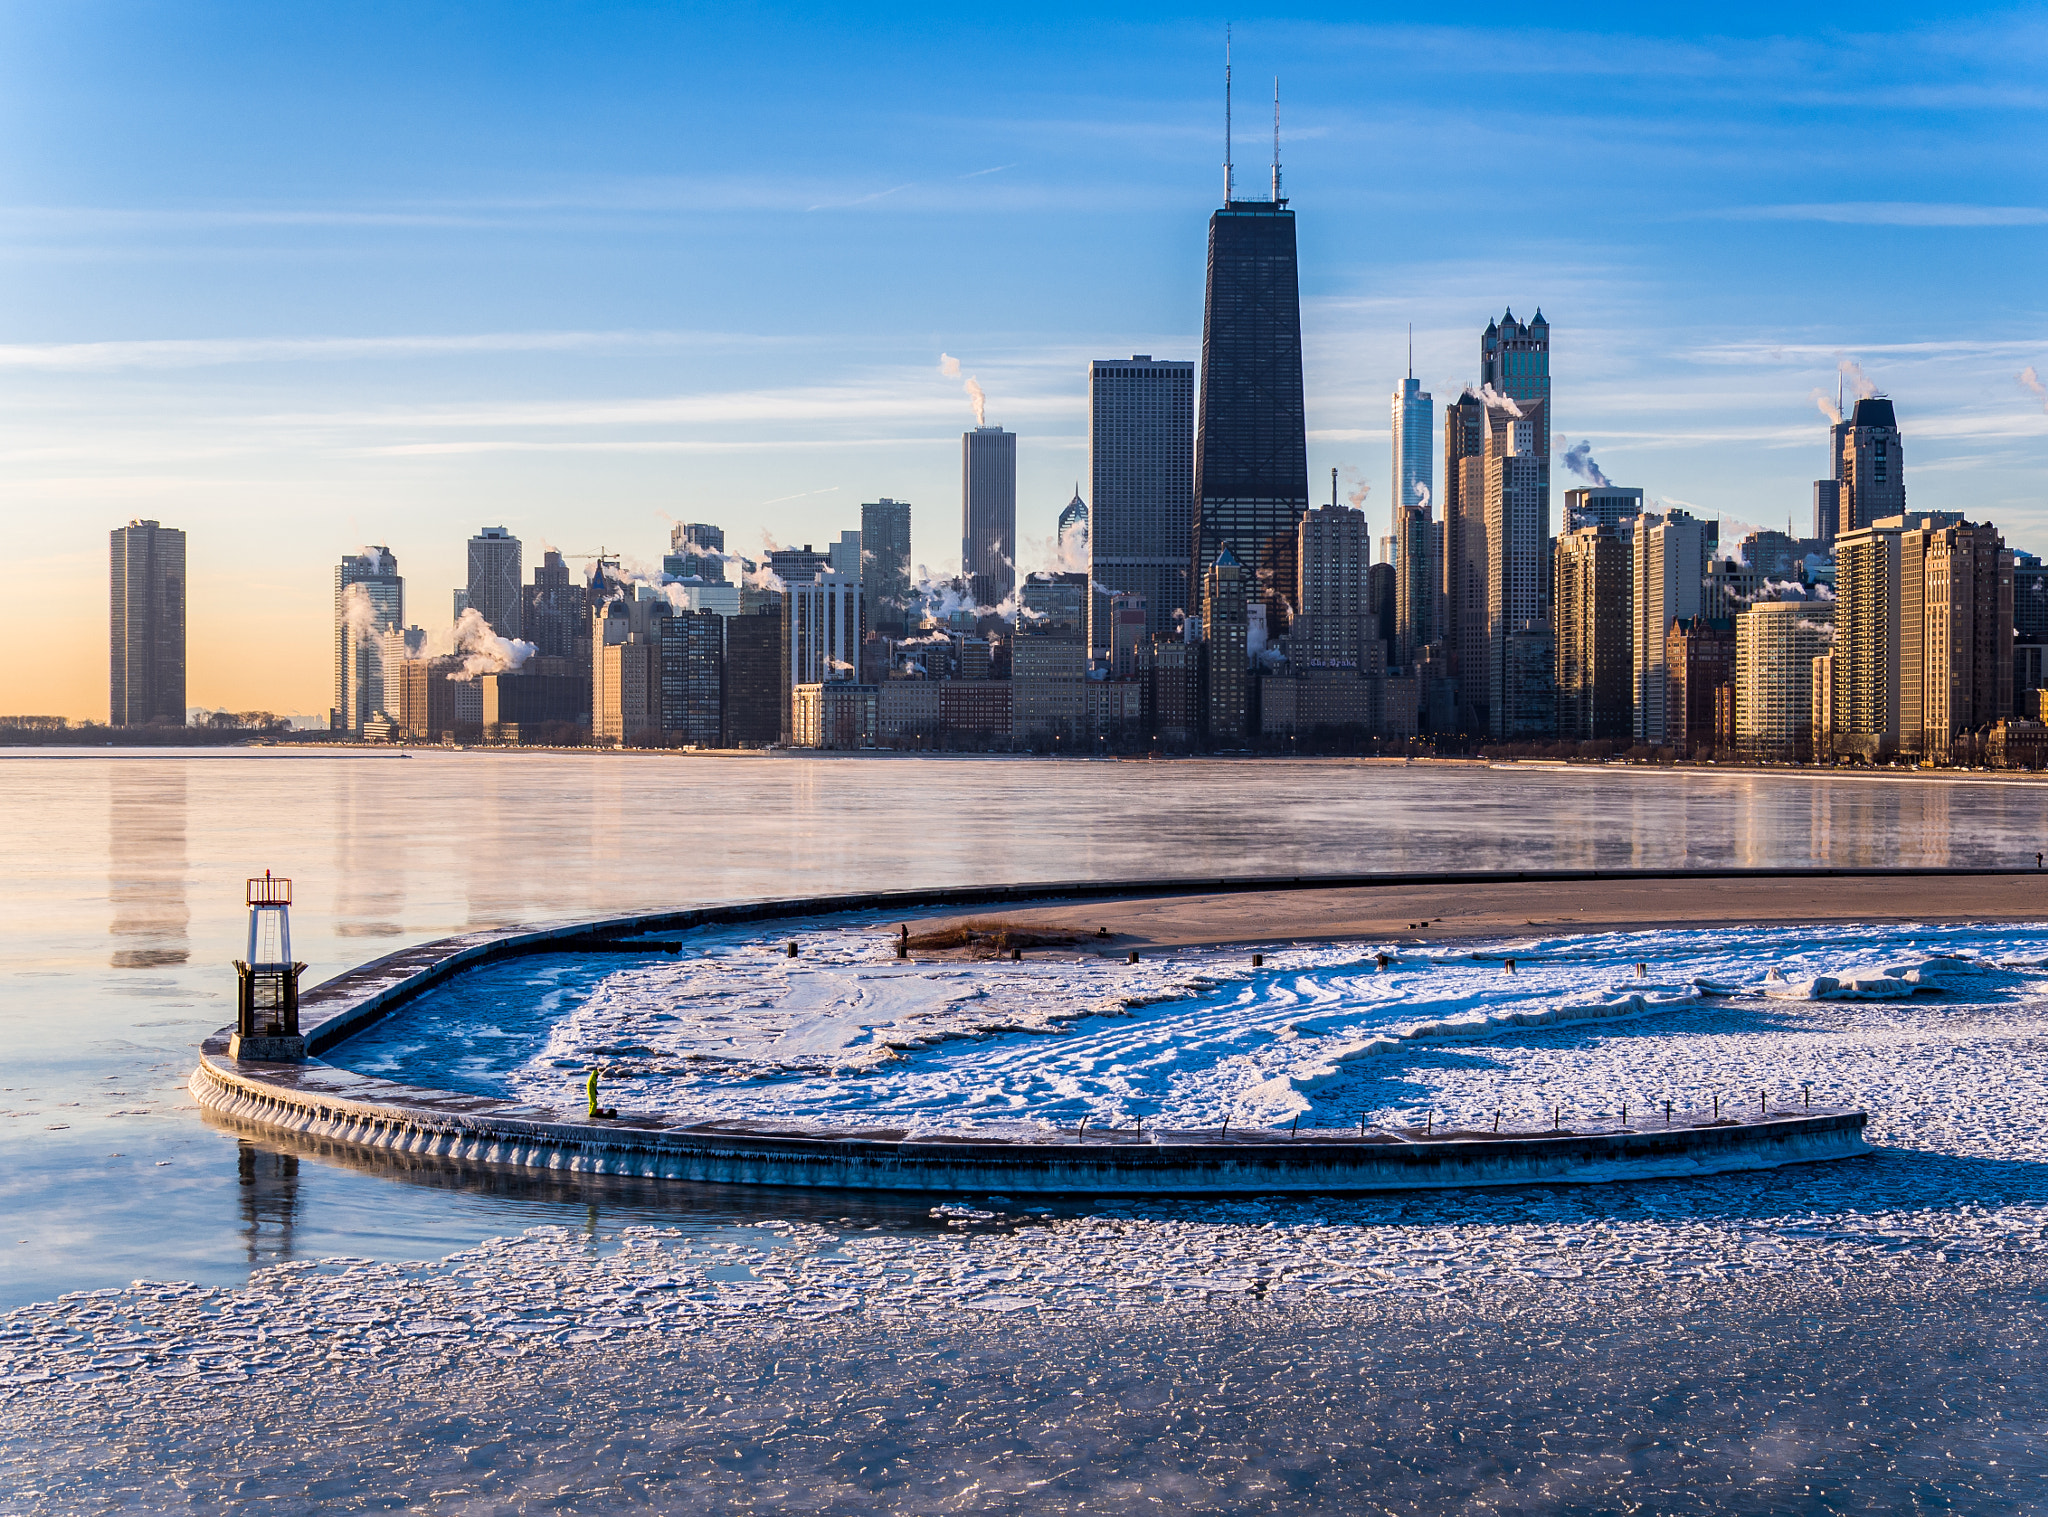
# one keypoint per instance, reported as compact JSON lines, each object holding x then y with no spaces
{"x":1575,"y":1031}
{"x":1955,"y":1080}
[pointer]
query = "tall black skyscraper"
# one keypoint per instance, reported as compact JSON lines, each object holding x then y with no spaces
{"x":1251,"y":437}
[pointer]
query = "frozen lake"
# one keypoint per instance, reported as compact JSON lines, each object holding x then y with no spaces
{"x":1736,"y":1335}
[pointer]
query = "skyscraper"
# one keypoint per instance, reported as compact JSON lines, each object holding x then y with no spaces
{"x":496,"y":588}
{"x":686,"y":558}
{"x":1590,"y":612}
{"x":1464,"y":556}
{"x":1514,"y":360}
{"x":1332,"y":622}
{"x":1226,"y":603}
{"x":1870,"y":465}
{"x":369,"y":599}
{"x":988,"y":513}
{"x":1776,"y":642}
{"x":1614,"y":507}
{"x":146,"y":627}
{"x":1141,"y":469}
{"x":845,"y":555}
{"x":885,"y":564}
{"x":1667,"y":566}
{"x":821,"y":625}
{"x":555,"y":619}
{"x":1517,"y":577}
{"x":1419,"y":577}
{"x":1251,"y":437}
{"x":1073,"y":526}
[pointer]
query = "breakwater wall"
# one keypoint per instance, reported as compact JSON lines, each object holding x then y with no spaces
{"x":317,"y":1100}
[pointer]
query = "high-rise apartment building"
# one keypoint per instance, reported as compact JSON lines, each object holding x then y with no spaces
{"x":1699,"y":661}
{"x":1517,"y":545}
{"x":1776,"y":643}
{"x":885,"y":565}
{"x":1590,"y":613}
{"x":1871,"y":465}
{"x":1966,"y":643}
{"x":1128,"y":634}
{"x":146,"y":625}
{"x":1668,"y":563}
{"x":1228,"y":595}
{"x":1463,"y":599}
{"x":755,"y":679}
{"x":694,"y":550}
{"x":496,"y":580}
{"x":369,"y":600}
{"x":692,"y":662}
{"x":1141,"y":474}
{"x":1614,"y":507}
{"x":988,"y":514}
{"x":821,"y":632}
{"x":1333,"y":620}
{"x":1251,"y":437}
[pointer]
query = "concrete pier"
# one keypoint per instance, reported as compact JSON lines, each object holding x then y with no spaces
{"x":317,"y":1100}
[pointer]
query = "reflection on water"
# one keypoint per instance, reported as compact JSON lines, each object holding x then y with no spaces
{"x":387,"y":851}
{"x":269,"y":1180}
{"x":148,"y":914}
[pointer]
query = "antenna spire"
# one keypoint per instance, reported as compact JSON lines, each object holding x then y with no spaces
{"x":1411,"y":350}
{"x":1333,"y":489}
{"x":1276,"y":139}
{"x":1229,"y":186}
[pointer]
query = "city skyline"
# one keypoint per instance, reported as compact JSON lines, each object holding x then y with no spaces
{"x":407,"y":410}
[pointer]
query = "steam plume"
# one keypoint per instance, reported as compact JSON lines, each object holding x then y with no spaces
{"x":1579,"y":459}
{"x":357,"y":614}
{"x":2032,"y":381}
{"x":1422,"y":497}
{"x":1498,"y":401}
{"x":482,"y":650}
{"x":950,"y":367}
{"x":1827,"y":408}
{"x":1358,"y":492}
{"x":1859,"y":380}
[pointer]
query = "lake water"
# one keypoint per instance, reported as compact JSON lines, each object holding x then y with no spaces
{"x":122,"y":899}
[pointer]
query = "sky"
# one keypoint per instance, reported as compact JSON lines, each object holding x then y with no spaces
{"x":302,"y":278}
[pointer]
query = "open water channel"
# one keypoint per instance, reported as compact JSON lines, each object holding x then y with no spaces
{"x":463,"y":1341}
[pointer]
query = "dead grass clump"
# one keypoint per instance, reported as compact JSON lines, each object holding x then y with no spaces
{"x":989,"y":938}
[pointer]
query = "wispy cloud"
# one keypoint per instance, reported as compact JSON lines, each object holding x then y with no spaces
{"x":1919,"y":213}
{"x":210,"y":352}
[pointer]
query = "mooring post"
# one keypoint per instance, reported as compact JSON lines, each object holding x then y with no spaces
{"x":1667,"y":1113}
{"x":1509,"y":965}
{"x":1717,"y":1108}
{"x":792,"y":950}
{"x":903,"y":941}
{"x":1134,"y":957}
{"x":1384,"y":961}
{"x":1642,"y":971}
{"x":1297,"y":1124}
{"x":1807,"y":1088}
{"x":1258,"y":961}
{"x":1496,"y":1122}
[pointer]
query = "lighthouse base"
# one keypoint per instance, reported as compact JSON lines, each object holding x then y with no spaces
{"x":270,"y":1050}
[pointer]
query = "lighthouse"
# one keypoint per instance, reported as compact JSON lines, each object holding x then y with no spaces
{"x":267,"y":1005}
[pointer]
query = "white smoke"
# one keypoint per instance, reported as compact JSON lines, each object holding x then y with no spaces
{"x":2032,"y":381}
{"x":1422,"y":497}
{"x":1858,"y":380}
{"x":1499,"y":402}
{"x":950,"y":367}
{"x":481,"y":649}
{"x":1578,"y":458}
{"x":1828,"y":408}
{"x":1066,"y":553}
{"x":357,"y":614}
{"x":1359,"y":492}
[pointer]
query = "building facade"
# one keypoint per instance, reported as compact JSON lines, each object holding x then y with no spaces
{"x":1463,"y":598}
{"x":146,"y":625}
{"x":753,"y":678}
{"x":885,"y":565}
{"x":1590,"y":612}
{"x":1668,"y":562}
{"x":695,"y":551}
{"x":1870,"y":466}
{"x":692,"y":655}
{"x":1699,"y":660}
{"x":1418,"y":541}
{"x":1141,"y":471}
{"x":1514,"y":360}
{"x":821,"y":634}
{"x":369,"y":600}
{"x":988,"y":514}
{"x":1228,"y":594}
{"x":1517,"y":546}
{"x":1776,"y":643}
{"x":1334,"y":561}
{"x":496,"y":588}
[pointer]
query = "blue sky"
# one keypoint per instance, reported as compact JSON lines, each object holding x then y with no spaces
{"x":298,"y":278}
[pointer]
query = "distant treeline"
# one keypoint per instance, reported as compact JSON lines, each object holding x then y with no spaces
{"x":219,"y":728}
